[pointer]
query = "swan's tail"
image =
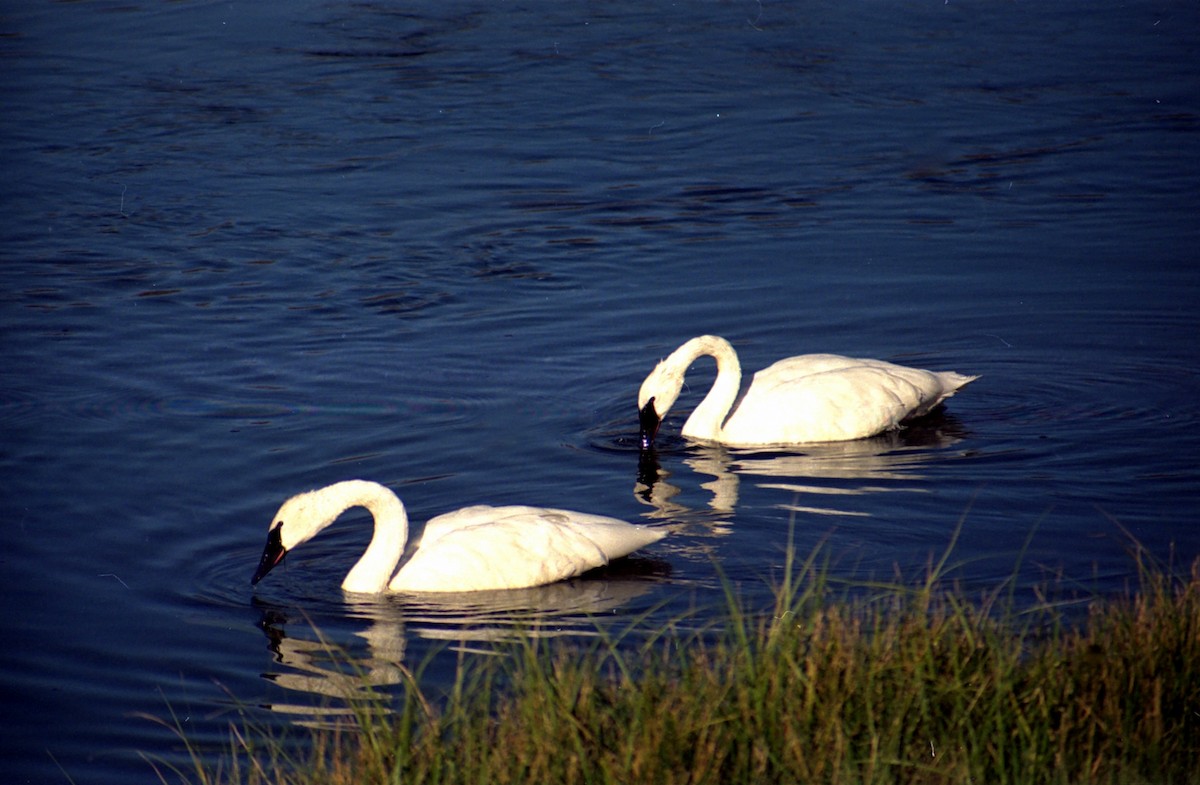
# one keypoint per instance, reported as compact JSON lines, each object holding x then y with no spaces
{"x":952,"y":382}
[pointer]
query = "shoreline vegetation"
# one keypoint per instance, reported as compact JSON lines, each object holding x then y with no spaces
{"x":889,"y":683}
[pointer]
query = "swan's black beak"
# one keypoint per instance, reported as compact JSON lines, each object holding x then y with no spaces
{"x":272,"y":554}
{"x":648,"y":420}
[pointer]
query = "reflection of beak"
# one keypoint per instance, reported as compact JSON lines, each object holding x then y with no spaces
{"x":648,"y":469}
{"x":272,"y":554}
{"x":649,"y":421}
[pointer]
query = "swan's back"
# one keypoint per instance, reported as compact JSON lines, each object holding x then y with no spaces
{"x":827,"y":397}
{"x":481,"y":548}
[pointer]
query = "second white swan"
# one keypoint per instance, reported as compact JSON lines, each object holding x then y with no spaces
{"x":809,"y":398}
{"x":472,"y":549}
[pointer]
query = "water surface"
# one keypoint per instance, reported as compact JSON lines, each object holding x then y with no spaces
{"x":250,"y":251}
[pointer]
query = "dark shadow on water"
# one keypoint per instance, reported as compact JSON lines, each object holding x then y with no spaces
{"x":935,"y":429}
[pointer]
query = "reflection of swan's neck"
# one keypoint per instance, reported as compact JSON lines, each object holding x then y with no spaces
{"x":373,"y":571}
{"x":707,"y":419}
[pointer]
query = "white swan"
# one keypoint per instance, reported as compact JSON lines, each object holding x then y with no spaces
{"x":810,"y":398}
{"x":472,"y":549}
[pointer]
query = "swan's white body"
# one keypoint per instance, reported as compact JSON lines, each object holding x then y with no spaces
{"x":810,"y":398}
{"x":472,"y":549}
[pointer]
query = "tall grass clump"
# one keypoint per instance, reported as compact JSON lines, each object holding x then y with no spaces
{"x":886,"y":684}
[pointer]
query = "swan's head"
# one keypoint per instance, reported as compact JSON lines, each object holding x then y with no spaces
{"x":300,"y":517}
{"x":655,"y":399}
{"x":272,"y":554}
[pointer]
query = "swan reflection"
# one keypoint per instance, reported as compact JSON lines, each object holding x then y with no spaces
{"x":336,"y":683}
{"x":346,"y":684}
{"x":830,"y":472}
{"x":562,"y":608}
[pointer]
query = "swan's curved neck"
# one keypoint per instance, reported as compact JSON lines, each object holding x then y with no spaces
{"x":373,"y":571}
{"x":707,"y":419}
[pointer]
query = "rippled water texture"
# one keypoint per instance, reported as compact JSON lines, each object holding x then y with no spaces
{"x":253,"y":249}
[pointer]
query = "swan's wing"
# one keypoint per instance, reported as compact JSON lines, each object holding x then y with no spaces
{"x":825,"y":397}
{"x":450,"y":522}
{"x":481,"y":547}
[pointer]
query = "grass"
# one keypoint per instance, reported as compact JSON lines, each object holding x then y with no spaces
{"x":888,"y":684}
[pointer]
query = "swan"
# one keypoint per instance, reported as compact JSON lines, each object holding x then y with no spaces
{"x":810,"y":398}
{"x":472,"y":549}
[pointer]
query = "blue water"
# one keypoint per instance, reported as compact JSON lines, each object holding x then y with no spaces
{"x":249,"y":250}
